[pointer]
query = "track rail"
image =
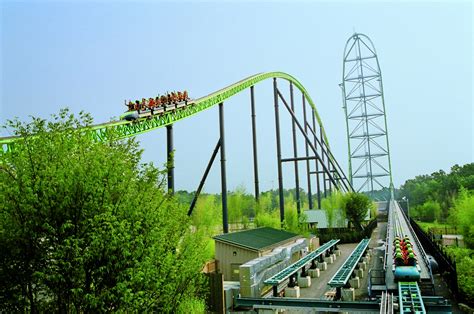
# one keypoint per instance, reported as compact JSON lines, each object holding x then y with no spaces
{"x":386,"y":303}
{"x":341,"y":277}
{"x":293,"y":268}
{"x":409,"y":297}
{"x":129,"y":129}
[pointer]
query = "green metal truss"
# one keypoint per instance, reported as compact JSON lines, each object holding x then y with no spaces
{"x":129,"y":129}
{"x":410,"y":298}
{"x":341,"y":277}
{"x":293,"y":268}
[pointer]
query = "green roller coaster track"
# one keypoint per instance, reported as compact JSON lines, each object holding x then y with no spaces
{"x":130,"y":129}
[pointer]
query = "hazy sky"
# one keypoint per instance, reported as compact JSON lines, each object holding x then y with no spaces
{"x":91,"y":56}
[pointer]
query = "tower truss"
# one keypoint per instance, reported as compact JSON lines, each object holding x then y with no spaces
{"x":367,"y":136}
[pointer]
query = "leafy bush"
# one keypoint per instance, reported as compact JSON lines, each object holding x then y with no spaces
{"x":334,"y":205}
{"x":430,"y":211}
{"x":195,"y":306}
{"x":462,"y":215}
{"x":84,"y":227}
{"x":465,"y":269}
{"x":268,"y":219}
{"x":356,"y":206}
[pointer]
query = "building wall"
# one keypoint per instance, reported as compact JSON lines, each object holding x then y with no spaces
{"x":227,"y":255}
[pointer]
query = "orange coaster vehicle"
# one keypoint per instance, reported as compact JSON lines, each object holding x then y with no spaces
{"x":146,"y":108}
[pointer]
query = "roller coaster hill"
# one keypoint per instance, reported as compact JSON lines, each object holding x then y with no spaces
{"x":406,"y":279}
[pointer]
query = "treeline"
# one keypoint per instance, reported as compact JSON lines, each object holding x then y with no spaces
{"x":241,"y":203}
{"x":444,"y":197}
{"x":244,"y":212}
{"x":432,"y":197}
{"x":448,"y":198}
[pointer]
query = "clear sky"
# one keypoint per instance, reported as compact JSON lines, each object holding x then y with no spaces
{"x":92,"y":55}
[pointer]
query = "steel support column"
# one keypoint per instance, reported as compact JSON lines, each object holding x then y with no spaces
{"x":278,"y":144}
{"x":295,"y":153}
{"x":225,"y":225}
{"x":335,"y":165}
{"x":170,"y":159}
{"x":323,"y":161}
{"x":204,"y":177}
{"x":323,"y":143}
{"x":254,"y":141}
{"x":318,"y":184}
{"x":325,"y":168}
{"x":308,"y":169}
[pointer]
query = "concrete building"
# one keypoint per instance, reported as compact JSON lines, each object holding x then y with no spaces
{"x":317,"y":218}
{"x":237,"y":248}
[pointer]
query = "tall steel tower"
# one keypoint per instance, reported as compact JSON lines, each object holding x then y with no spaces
{"x":367,"y":137}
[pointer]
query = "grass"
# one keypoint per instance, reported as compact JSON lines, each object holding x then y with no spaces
{"x":427,"y":225}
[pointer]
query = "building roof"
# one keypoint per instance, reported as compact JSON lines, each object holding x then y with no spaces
{"x":256,"y":239}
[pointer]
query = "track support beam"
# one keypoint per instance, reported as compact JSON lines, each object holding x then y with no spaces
{"x":308,"y":169}
{"x":170,"y":160}
{"x":204,"y":177}
{"x":278,"y":144}
{"x":254,"y":142}
{"x":295,"y":153}
{"x":225,"y":225}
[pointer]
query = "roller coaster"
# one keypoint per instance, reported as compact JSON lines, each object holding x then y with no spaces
{"x":144,"y":124}
{"x":406,"y":266}
{"x":140,"y":119}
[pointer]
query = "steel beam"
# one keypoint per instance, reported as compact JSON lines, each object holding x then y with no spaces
{"x":330,"y":156}
{"x":278,"y":144}
{"x":313,"y":304}
{"x":304,"y":134}
{"x":318,"y":184}
{"x":170,"y":158}
{"x":295,"y":153}
{"x":204,"y":177}
{"x":329,"y":159}
{"x":323,"y":162}
{"x":299,"y":159}
{"x":225,"y":225}
{"x":308,"y":169}
{"x":254,"y":142}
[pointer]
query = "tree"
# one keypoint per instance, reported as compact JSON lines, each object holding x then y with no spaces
{"x":462,"y":216}
{"x":334,"y":205}
{"x":356,"y":206}
{"x":440,"y":187}
{"x":84,"y":227}
{"x":429,"y":211}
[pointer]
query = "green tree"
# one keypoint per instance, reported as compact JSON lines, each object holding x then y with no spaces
{"x":334,"y":205}
{"x":84,"y":227}
{"x":356,"y":206}
{"x":440,"y":186}
{"x":266,"y":213}
{"x":463,"y":216}
{"x":429,"y":211}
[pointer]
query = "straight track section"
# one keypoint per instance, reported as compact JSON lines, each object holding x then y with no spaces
{"x":410,"y":298}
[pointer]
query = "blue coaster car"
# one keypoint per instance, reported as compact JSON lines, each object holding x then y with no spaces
{"x":406,"y":273}
{"x":129,"y":116}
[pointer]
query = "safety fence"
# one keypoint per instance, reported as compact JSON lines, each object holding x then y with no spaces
{"x":446,"y":263}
